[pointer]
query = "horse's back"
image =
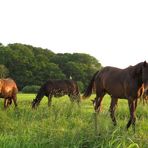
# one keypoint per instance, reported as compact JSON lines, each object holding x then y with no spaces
{"x":115,"y":81}
{"x":61,"y":84}
{"x":10,"y":83}
{"x":60,"y":87}
{"x":113,"y":75}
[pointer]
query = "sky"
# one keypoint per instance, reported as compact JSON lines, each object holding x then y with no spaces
{"x":115,"y":32}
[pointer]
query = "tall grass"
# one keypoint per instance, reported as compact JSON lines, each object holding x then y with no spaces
{"x":68,"y":125}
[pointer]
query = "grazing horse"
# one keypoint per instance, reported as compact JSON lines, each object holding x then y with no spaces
{"x":8,"y":91}
{"x":57,"y":88}
{"x":125,"y":83}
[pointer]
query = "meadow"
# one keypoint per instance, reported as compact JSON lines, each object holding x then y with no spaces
{"x":67,"y":125}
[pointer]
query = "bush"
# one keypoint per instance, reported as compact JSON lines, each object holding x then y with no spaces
{"x":81,"y":86}
{"x":31,"y":89}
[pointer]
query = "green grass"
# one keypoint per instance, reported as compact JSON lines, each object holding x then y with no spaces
{"x":70,"y":126}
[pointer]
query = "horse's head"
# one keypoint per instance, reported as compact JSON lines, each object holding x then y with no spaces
{"x":145,"y":77}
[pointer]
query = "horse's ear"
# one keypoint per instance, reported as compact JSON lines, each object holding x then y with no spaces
{"x":144,"y":64}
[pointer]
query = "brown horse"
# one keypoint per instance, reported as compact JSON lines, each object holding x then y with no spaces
{"x":120,"y":83}
{"x":8,"y":91}
{"x":57,"y":88}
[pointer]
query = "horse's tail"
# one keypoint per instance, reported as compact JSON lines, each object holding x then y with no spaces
{"x":89,"y":89}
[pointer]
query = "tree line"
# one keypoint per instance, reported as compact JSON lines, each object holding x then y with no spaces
{"x":29,"y":65}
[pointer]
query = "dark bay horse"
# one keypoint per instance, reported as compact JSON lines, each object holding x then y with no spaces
{"x":57,"y":88}
{"x":8,"y":91}
{"x":125,"y":83}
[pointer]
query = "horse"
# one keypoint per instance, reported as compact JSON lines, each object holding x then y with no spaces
{"x":57,"y":88}
{"x":8,"y":91}
{"x":128,"y":83}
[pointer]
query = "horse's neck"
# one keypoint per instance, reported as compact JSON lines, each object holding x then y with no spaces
{"x":138,"y":73}
{"x":39,"y":95}
{"x":139,"y":65}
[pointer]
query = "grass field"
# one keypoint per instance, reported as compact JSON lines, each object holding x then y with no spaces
{"x":67,"y":125}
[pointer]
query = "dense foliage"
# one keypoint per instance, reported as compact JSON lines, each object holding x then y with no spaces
{"x":29,"y":65}
{"x":30,"y":89}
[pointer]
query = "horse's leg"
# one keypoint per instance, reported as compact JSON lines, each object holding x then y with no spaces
{"x":71,"y":96}
{"x":136,"y":103}
{"x":5,"y":103}
{"x":8,"y":102}
{"x":75,"y":97}
{"x":146,"y":99}
{"x":38,"y":99}
{"x":14,"y":98}
{"x":113,"y":106}
{"x":49,"y":100}
{"x":78,"y":98}
{"x":143,"y":99}
{"x":99,"y":97}
{"x":98,"y":101}
{"x":132,"y":120}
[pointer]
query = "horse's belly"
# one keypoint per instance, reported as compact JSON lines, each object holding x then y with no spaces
{"x":59,"y":93}
{"x":116,"y":92}
{"x":118,"y":95}
{"x":7,"y":92}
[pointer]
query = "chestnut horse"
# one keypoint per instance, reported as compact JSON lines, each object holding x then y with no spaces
{"x":125,"y":83}
{"x":57,"y":88}
{"x":8,"y":91}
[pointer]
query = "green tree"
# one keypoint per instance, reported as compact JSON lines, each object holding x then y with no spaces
{"x":29,"y":65}
{"x":47,"y":71}
{"x":21,"y":64}
{"x":3,"y":71}
{"x":79,"y":66}
{"x":5,"y":55}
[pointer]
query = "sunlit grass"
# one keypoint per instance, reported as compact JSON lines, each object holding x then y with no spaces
{"x":68,"y":125}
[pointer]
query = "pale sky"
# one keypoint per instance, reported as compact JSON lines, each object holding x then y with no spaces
{"x":113,"y":31}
